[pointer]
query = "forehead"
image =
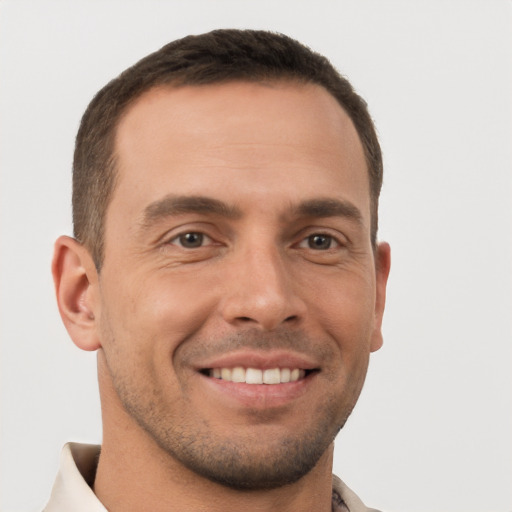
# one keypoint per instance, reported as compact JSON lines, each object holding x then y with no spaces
{"x":215,"y":106}
{"x":254,"y":133}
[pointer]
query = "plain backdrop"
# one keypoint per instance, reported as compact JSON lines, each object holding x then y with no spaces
{"x":432,"y":430}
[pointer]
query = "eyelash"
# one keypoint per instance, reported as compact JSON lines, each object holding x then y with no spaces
{"x":319,"y":237}
{"x":179,"y":238}
{"x":305,"y":243}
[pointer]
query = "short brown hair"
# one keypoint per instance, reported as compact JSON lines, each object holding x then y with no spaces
{"x":219,"y":56}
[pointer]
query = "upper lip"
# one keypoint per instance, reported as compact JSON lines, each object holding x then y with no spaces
{"x":259,"y":359}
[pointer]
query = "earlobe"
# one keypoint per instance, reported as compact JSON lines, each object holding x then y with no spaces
{"x":382,"y":267}
{"x":75,"y":279}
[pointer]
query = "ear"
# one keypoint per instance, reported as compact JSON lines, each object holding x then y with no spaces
{"x":76,"y":286}
{"x":382,"y":266}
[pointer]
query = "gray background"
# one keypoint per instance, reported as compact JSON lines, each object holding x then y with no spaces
{"x":432,"y":429}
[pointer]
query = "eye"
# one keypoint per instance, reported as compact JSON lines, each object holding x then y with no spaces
{"x":191,"y":240}
{"x":319,"y":242}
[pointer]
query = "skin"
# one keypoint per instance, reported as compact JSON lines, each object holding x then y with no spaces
{"x":280,"y":272}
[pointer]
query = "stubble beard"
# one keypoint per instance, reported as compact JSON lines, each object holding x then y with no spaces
{"x":246,"y":463}
{"x":244,"y":460}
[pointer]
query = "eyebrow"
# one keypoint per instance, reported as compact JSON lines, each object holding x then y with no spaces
{"x":329,"y":207}
{"x":176,"y":205}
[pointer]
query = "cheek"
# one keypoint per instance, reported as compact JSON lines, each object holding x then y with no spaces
{"x":345,"y":308}
{"x":175,"y":307}
{"x":155,"y":314}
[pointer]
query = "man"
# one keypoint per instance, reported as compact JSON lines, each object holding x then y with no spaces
{"x":225,"y":267}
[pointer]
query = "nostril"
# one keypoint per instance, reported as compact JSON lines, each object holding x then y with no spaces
{"x":291,"y":318}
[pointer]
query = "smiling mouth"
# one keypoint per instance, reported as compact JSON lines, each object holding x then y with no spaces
{"x":270,"y":376}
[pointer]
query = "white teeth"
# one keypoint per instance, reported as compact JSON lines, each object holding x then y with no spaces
{"x":225,"y":373}
{"x":237,"y":374}
{"x":253,"y":376}
{"x":285,"y":375}
{"x":257,"y":376}
{"x":272,"y":376}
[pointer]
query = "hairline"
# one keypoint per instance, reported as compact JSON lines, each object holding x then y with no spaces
{"x":97,"y":247}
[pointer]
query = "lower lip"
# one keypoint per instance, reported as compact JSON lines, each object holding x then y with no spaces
{"x":262,"y":396}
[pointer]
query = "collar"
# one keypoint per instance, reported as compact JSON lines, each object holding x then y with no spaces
{"x":72,"y":488}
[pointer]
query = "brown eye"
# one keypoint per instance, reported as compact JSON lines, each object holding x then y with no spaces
{"x":320,"y":242}
{"x":190,"y":240}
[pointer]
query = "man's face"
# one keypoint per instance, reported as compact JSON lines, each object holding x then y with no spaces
{"x":238,"y":246}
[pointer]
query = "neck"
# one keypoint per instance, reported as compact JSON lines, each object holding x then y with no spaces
{"x":135,"y":474}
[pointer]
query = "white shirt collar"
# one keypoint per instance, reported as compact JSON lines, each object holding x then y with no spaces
{"x":71,"y":490}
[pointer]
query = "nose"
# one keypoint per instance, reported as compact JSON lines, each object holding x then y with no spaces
{"x":260,"y":291}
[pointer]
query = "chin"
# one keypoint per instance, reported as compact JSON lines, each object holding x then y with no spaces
{"x":251,"y":464}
